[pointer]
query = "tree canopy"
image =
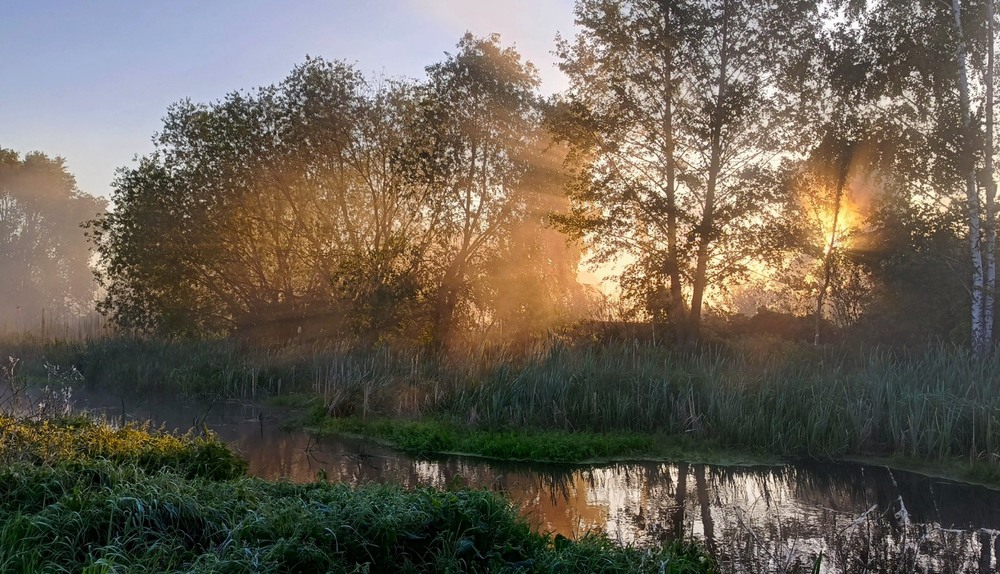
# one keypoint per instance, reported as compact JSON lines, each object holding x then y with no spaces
{"x":828,"y":158}
{"x":334,"y":203}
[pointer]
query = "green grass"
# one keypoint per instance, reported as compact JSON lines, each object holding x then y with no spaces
{"x":425,"y":437}
{"x":104,"y":511}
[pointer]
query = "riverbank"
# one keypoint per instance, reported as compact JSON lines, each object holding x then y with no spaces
{"x":935,"y":406}
{"x":81,"y":496}
{"x":431,"y":437}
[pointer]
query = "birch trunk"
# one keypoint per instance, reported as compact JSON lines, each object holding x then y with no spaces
{"x":968,"y":167}
{"x":990,"y":227}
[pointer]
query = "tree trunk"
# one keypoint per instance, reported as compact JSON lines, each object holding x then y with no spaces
{"x":700,"y":282}
{"x":677,"y":311}
{"x":990,"y":227}
{"x":829,"y":259}
{"x":968,"y":167}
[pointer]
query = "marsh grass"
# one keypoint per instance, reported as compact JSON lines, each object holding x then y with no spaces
{"x":933,"y":404}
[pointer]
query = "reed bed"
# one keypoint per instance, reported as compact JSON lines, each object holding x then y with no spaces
{"x":763,"y":395}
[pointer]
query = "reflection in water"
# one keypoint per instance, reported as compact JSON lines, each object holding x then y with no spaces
{"x":772,"y":518}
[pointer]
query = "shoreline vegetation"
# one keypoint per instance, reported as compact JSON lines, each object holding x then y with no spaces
{"x":434,"y":437}
{"x":430,"y":438}
{"x":933,"y":409}
{"x":78,"y":495}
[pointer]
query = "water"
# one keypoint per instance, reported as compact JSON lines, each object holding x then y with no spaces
{"x":754,"y":518}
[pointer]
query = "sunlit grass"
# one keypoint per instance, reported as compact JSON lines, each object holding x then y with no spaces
{"x":81,"y":441}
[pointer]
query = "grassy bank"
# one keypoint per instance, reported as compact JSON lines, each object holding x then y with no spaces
{"x":934,"y":404}
{"x":89,"y":507}
{"x":423,"y":437}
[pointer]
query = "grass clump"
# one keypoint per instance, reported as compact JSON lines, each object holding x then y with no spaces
{"x":80,"y":441}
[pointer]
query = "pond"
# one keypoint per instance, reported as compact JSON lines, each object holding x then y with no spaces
{"x":753,"y":518}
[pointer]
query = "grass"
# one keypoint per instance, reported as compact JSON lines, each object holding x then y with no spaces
{"x":936,"y":404}
{"x":423,"y":437}
{"x":79,"y":441}
{"x":102,"y":509}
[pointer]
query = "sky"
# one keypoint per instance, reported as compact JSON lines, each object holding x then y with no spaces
{"x":91,"y":81}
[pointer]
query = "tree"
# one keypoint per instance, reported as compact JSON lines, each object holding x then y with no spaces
{"x":269,"y":209}
{"x":479,"y":128}
{"x":916,"y":257}
{"x":331,"y":205}
{"x":44,"y":258}
{"x":675,"y":111}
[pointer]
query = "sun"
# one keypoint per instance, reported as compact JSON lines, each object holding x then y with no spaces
{"x":837,"y":224}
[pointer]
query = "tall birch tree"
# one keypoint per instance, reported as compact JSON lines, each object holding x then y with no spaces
{"x":930,"y":74}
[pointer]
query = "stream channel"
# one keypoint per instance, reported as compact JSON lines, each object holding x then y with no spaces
{"x":753,"y":518}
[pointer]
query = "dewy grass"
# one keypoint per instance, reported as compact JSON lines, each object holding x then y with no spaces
{"x":80,"y":441}
{"x":93,"y":514}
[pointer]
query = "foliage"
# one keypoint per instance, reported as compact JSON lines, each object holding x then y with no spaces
{"x":916,"y":259}
{"x":674,"y":113}
{"x":330,"y":206}
{"x":44,"y":260}
{"x":480,"y":128}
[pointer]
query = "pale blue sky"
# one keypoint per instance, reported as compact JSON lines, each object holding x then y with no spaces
{"x":91,"y":80}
